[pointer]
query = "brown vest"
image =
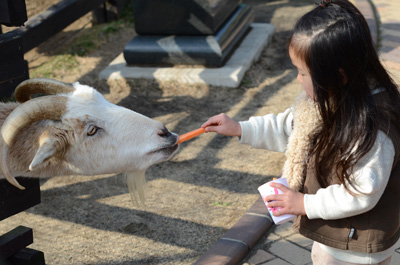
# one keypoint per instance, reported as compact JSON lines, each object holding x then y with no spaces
{"x":373,"y":231}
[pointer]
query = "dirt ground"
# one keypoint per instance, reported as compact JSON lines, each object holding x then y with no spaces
{"x":191,"y":200}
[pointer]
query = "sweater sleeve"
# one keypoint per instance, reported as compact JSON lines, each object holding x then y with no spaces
{"x":268,"y":132}
{"x":370,"y":177}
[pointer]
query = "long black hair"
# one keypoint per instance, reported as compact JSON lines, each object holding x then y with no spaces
{"x":335,"y":43}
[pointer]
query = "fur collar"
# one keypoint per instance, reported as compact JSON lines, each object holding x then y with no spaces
{"x":306,"y":123}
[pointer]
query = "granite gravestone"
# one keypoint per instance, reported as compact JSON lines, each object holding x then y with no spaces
{"x":187,"y":32}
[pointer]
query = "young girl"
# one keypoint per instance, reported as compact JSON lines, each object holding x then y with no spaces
{"x":341,"y":138}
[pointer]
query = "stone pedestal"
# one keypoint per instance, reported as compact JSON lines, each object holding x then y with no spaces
{"x":181,"y":17}
{"x":187,"y":32}
{"x":229,"y":75}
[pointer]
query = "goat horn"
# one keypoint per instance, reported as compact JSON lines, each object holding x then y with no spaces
{"x":41,"y":108}
{"x":24,"y":90}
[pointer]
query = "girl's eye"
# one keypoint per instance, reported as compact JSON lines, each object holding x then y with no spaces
{"x":92,"y":130}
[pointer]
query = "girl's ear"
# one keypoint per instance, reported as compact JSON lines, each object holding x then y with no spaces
{"x":344,"y":76}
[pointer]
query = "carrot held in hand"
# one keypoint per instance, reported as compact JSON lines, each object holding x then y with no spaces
{"x":187,"y":136}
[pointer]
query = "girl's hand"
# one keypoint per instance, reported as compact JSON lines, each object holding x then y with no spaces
{"x":291,"y":202}
{"x":224,"y":125}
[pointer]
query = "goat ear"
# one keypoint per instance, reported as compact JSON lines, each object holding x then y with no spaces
{"x":46,"y":150}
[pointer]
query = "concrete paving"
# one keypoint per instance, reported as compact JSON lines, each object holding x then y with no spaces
{"x":281,"y":245}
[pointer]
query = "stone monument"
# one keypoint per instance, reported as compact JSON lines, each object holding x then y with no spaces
{"x":187,"y":32}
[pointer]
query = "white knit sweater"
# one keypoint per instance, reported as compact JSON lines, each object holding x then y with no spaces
{"x":370,"y":176}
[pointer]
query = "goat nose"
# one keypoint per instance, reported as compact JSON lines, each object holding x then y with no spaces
{"x":164,"y":133}
{"x":171,"y":138}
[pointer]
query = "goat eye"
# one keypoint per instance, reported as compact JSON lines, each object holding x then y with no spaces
{"x":92,"y":130}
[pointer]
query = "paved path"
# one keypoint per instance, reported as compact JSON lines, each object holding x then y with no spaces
{"x":389,"y":16}
{"x":281,"y":246}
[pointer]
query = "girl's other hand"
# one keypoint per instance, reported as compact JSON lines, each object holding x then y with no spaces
{"x":223,"y":125}
{"x":291,"y":202}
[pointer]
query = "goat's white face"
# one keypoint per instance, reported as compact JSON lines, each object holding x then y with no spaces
{"x":112,"y":139}
{"x":77,"y":131}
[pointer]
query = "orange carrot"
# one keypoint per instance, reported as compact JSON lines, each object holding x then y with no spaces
{"x":187,"y":136}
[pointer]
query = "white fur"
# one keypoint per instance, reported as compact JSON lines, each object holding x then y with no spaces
{"x":125,"y":142}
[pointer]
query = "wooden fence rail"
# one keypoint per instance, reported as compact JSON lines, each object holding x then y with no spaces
{"x":36,"y":30}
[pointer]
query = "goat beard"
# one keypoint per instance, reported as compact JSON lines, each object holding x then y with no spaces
{"x":136,"y":182}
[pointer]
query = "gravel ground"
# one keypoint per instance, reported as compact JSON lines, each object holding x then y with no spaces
{"x":191,"y":200}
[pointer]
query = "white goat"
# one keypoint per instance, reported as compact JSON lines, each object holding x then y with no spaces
{"x":74,"y":130}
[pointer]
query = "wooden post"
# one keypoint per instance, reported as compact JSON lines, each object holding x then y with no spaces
{"x":13,"y":241}
{"x":14,"y":200}
{"x":13,"y":13}
{"x":13,"y":67}
{"x":13,"y":244}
